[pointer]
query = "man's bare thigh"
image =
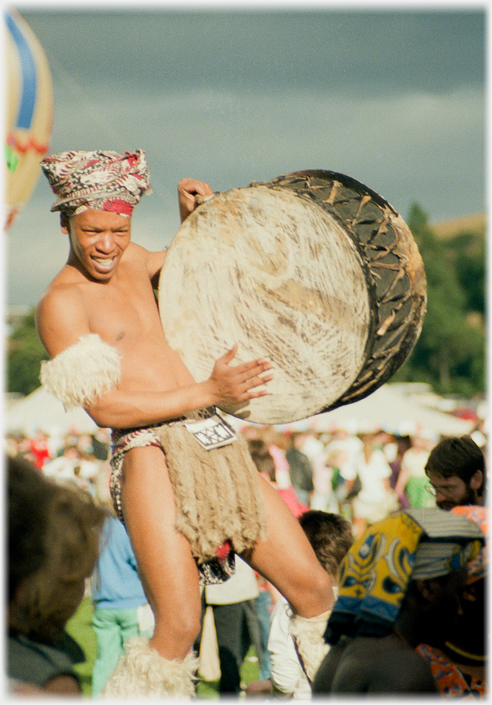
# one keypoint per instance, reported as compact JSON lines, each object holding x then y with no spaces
{"x":149,"y":510}
{"x":168,"y":570}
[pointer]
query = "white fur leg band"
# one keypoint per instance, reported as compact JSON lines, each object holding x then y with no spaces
{"x":142,"y":672}
{"x":82,"y":372}
{"x":308,"y":635}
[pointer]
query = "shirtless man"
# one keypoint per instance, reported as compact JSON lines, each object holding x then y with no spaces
{"x":106,"y":289}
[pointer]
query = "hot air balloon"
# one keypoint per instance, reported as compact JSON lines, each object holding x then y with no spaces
{"x":30,"y":107}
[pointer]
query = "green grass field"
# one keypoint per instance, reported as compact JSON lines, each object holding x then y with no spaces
{"x":80,"y":628}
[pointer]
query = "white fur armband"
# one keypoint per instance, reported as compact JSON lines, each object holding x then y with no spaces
{"x":79,"y":374}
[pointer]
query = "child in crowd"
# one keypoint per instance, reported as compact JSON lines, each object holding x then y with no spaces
{"x":261,"y":454}
{"x":53,"y":546}
{"x":331,"y":536}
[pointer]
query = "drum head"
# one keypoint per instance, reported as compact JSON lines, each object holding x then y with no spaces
{"x":278,"y":275}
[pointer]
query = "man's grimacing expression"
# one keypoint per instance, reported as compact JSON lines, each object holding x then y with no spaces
{"x":98,"y":240}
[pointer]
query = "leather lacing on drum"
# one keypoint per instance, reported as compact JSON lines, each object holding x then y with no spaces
{"x":395,"y":275}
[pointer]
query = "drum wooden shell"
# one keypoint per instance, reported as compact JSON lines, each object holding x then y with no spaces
{"x":312,"y":271}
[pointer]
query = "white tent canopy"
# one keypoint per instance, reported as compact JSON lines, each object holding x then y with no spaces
{"x":42,"y":410}
{"x":386,"y":408}
{"x":392,"y":410}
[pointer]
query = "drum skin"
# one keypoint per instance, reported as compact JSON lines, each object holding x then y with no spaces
{"x":312,"y":271}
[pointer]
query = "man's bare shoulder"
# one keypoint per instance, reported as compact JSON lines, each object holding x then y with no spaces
{"x":61,"y":314}
{"x":63,"y":289}
{"x":135,"y":251}
{"x":136,"y":255}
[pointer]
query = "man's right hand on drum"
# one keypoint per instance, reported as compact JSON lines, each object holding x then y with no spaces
{"x":236,"y":384}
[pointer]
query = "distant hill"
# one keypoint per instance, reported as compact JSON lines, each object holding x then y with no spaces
{"x":468,"y":223}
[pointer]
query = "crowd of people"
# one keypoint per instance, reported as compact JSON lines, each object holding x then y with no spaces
{"x":82,"y":459}
{"x":362,"y":534}
{"x":341,"y":486}
{"x":363,"y":474}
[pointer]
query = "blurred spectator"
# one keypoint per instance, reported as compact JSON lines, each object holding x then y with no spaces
{"x":456,"y":470}
{"x":399,"y":585}
{"x":265,"y":464}
{"x":278,"y":445}
{"x":62,"y":467}
{"x":312,"y":446}
{"x":301,"y":471}
{"x":412,"y":480}
{"x":236,"y":623}
{"x":346,"y":441}
{"x":39,"y":448}
{"x":326,"y":467}
{"x":118,"y":597}
{"x":264,"y":606}
{"x":374,"y":499}
{"x":330,"y":535}
{"x":53,"y":545}
{"x":389,"y":445}
{"x":458,"y":665}
{"x":403,"y":443}
{"x":344,"y":446}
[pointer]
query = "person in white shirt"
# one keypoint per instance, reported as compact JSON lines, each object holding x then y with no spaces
{"x":375,"y":499}
{"x":62,"y":467}
{"x":236,"y":623}
{"x":331,"y":536}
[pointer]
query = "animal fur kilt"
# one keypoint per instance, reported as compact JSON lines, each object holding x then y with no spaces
{"x":218,"y":499}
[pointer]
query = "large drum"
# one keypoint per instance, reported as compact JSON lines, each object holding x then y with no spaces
{"x":312,"y":271}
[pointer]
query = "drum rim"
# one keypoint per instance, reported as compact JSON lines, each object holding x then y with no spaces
{"x":419,"y":296}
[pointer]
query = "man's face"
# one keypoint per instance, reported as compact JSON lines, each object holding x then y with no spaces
{"x":98,"y":240}
{"x":451,"y":491}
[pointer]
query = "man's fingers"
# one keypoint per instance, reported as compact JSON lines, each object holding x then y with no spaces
{"x":249,"y":387}
{"x":260,"y":393}
{"x":255,"y":371}
{"x":246,"y":369}
{"x":229,"y":355}
{"x":252,"y":392}
{"x":252,"y":367}
{"x":256,"y":381}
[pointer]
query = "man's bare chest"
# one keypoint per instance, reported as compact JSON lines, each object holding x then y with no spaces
{"x":123,"y":313}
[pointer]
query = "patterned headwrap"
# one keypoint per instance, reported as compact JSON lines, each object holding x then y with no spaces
{"x":478,"y":566}
{"x":376,"y":571}
{"x":104,"y":181}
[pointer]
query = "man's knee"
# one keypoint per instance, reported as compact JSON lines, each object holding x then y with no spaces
{"x":192,"y":625}
{"x":315,"y":594}
{"x":322,"y":582}
{"x":318,"y":586}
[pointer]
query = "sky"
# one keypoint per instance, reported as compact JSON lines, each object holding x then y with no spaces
{"x":393,"y":96}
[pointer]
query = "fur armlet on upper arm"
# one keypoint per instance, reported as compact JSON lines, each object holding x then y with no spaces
{"x":82,"y":372}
